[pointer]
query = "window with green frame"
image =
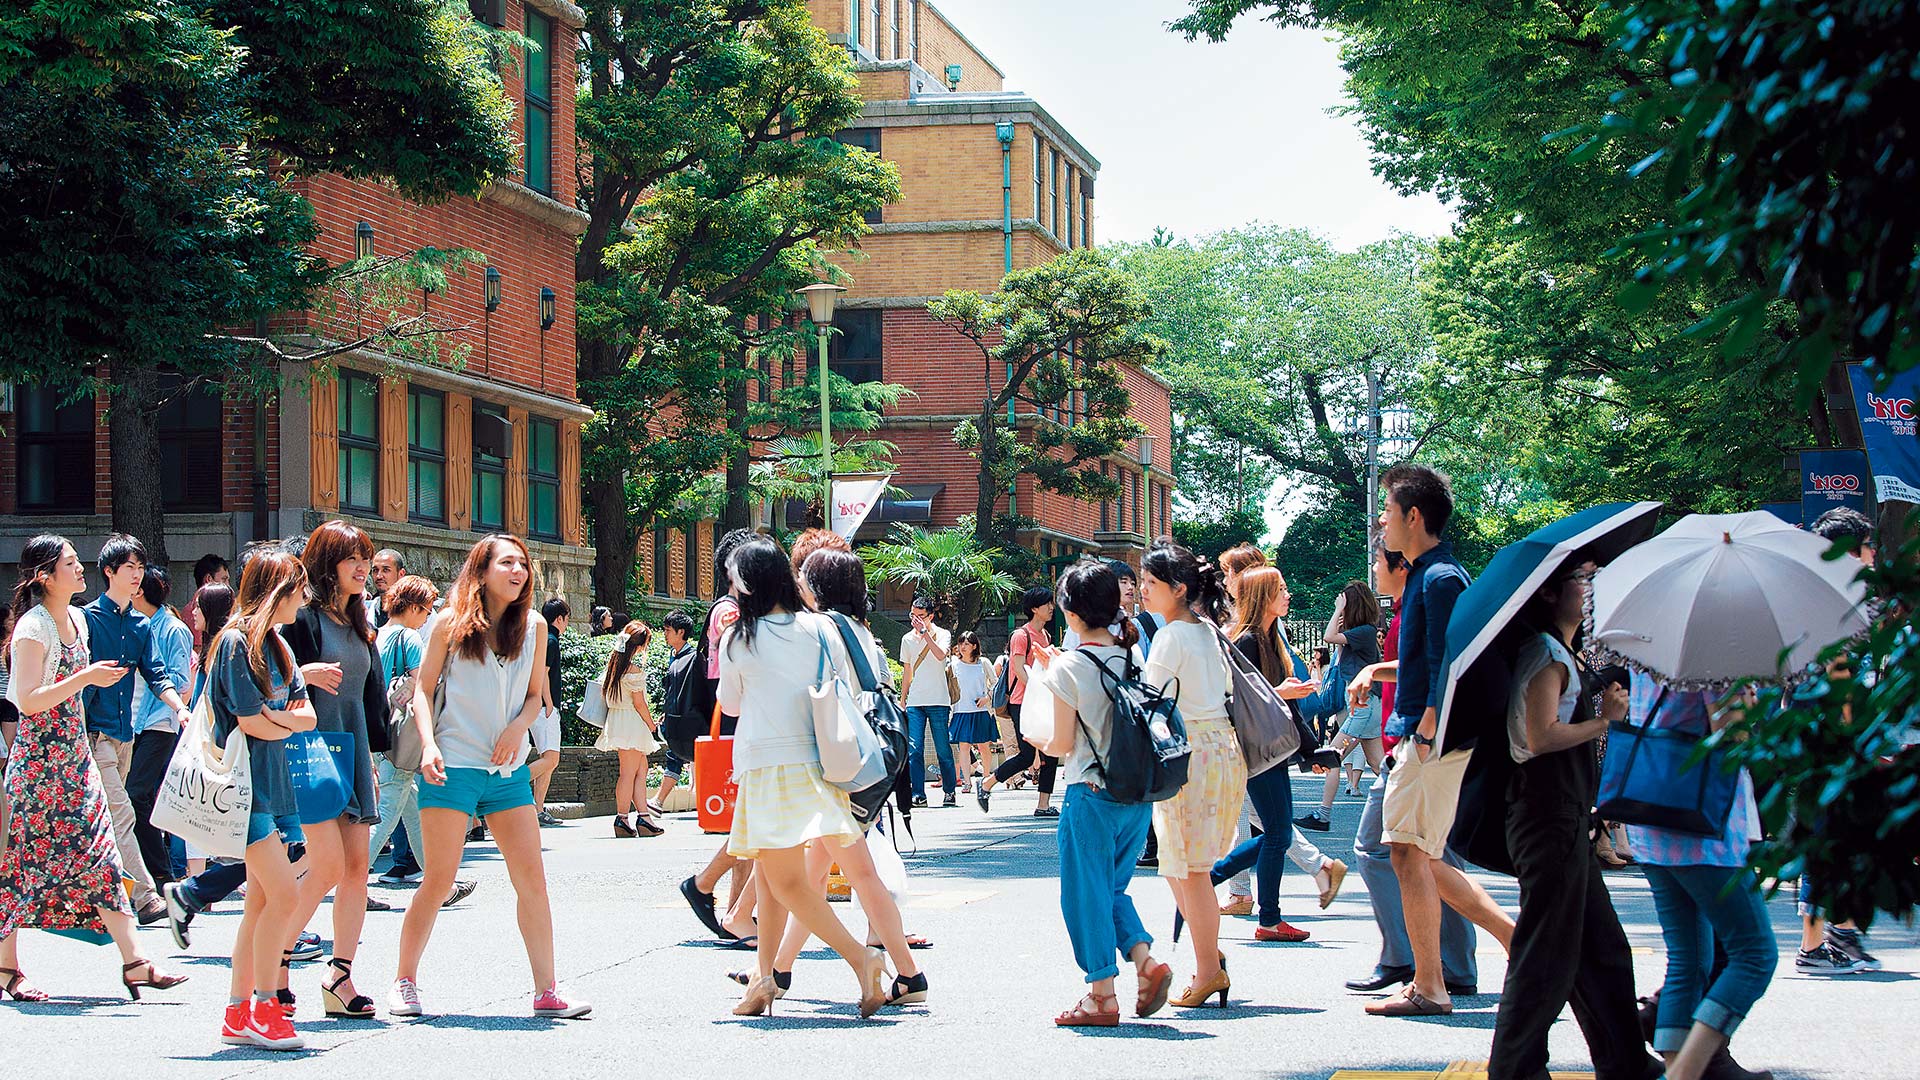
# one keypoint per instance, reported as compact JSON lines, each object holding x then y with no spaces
{"x":539,"y":103}
{"x":489,"y":480}
{"x":543,"y":479}
{"x":359,"y":441}
{"x":426,"y":456}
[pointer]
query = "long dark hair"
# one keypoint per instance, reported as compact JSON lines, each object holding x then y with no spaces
{"x":1537,"y":614}
{"x":838,"y":582}
{"x":1091,"y":590}
{"x":41,"y":555}
{"x":215,"y":603}
{"x":331,"y":544}
{"x":1362,"y":607}
{"x":1172,"y":562}
{"x":767,"y":582}
{"x":471,"y":632}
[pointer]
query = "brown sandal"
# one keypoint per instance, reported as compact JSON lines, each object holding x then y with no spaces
{"x":1081,"y":1016}
{"x":1154,"y":984}
{"x":154,"y":978}
{"x":17,"y":987}
{"x":1410,"y":1002}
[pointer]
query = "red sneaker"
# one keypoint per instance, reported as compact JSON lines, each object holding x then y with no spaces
{"x":1280,"y":932}
{"x":269,"y":1028}
{"x":553,"y":1004}
{"x":233,"y":1026}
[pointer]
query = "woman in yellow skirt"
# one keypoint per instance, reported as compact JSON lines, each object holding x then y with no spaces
{"x":768,"y":660}
{"x":1196,"y":826}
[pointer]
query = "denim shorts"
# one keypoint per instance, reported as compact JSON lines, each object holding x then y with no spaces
{"x":478,"y":792}
{"x":262,"y":825}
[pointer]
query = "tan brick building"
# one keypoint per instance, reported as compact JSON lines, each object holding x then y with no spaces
{"x":990,"y":182}
{"x":398,"y":448}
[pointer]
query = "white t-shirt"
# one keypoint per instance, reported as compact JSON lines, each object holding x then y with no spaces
{"x":1537,"y":655}
{"x":972,"y":678}
{"x":1075,"y":678}
{"x":1189,"y":652}
{"x":928,"y":683}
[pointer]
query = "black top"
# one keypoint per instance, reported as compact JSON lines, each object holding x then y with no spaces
{"x":554,"y":683}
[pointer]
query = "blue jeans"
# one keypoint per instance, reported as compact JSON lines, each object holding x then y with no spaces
{"x":1272,"y":795}
{"x":919,"y":718}
{"x":1698,"y":906}
{"x":398,"y":802}
{"x":1457,"y":963}
{"x":212,"y":885}
{"x":1099,"y":840}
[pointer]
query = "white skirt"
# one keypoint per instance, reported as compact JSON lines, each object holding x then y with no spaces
{"x":625,"y":730}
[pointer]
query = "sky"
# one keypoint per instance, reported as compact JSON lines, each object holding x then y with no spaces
{"x":1196,"y":137}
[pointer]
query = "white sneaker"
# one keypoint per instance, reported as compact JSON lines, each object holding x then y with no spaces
{"x":403,"y":999}
{"x":552,"y":1003}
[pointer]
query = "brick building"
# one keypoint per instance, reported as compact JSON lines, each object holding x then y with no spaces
{"x":426,"y":458}
{"x":939,"y":110}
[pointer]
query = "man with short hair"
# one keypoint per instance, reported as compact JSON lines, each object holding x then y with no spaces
{"x":208,"y":569}
{"x":156,"y":728}
{"x":679,"y":703}
{"x":385,"y":569}
{"x":546,"y":729}
{"x":1423,"y":785}
{"x":117,"y":632}
{"x":923,"y":658}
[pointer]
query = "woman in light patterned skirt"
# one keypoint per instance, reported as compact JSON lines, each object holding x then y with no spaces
{"x":1196,"y":826}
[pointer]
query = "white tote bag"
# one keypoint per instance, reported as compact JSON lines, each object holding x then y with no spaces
{"x":207,"y":794}
{"x":593,"y":706}
{"x":1036,"y":705}
{"x":850,"y":750}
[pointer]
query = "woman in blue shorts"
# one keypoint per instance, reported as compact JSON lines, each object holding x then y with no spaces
{"x":486,"y":654}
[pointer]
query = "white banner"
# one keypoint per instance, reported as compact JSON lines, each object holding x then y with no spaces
{"x":854,"y":497}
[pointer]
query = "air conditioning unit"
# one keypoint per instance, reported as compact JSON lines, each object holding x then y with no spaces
{"x":492,"y":435}
{"x":491,"y":12}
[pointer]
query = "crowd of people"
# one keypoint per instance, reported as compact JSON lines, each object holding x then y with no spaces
{"x":447,"y":710}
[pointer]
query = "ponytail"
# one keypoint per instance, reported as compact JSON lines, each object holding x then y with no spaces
{"x":41,"y":554}
{"x":1175,"y":564}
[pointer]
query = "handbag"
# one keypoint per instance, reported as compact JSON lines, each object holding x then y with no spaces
{"x":206,"y":796}
{"x":404,"y":749}
{"x":320,"y":764}
{"x":1267,"y":729}
{"x":714,"y":790}
{"x":593,"y":706}
{"x":850,"y":752}
{"x":1651,"y":778}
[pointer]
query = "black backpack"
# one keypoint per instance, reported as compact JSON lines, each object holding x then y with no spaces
{"x":1147,"y":758}
{"x":883,"y":712}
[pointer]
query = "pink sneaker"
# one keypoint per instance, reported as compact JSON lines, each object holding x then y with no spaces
{"x":269,"y":1028}
{"x":549,"y":1003}
{"x":233,"y":1026}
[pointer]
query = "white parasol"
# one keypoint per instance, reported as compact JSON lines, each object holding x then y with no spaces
{"x":1721,"y":597}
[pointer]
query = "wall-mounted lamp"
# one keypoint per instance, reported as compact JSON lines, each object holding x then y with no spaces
{"x":363,"y":241}
{"x":953,"y":76}
{"x":493,"y":289}
{"x":546,"y":308}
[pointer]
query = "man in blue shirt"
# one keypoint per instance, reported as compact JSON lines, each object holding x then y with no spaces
{"x":1423,"y":787}
{"x":115,"y":631}
{"x":156,"y":728}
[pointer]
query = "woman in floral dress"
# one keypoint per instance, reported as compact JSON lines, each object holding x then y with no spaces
{"x":62,"y":869}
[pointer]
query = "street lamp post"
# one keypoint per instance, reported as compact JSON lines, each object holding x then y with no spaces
{"x":820,"y":301}
{"x":1373,"y":472}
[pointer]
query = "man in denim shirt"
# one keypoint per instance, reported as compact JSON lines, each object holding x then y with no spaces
{"x":1423,"y":787}
{"x":156,"y":728}
{"x":116,"y":631}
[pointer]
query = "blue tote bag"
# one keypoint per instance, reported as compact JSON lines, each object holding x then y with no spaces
{"x":1651,"y":778}
{"x":320,"y":764}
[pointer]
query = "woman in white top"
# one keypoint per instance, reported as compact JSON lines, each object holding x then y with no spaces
{"x":1196,"y":826}
{"x":629,"y":730}
{"x":486,"y":653}
{"x":768,"y":661}
{"x":1099,"y":838}
{"x":972,"y":726}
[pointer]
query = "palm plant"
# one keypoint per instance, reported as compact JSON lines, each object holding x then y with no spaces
{"x":945,"y":565}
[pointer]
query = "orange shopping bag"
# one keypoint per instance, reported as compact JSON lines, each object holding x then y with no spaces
{"x":713,"y":788}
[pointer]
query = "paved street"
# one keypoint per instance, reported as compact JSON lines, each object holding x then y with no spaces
{"x":982,"y":890}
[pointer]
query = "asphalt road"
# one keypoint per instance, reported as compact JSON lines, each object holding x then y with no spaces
{"x":982,"y":889}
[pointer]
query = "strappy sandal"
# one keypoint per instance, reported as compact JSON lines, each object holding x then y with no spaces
{"x":17,"y":987}
{"x":285,"y":993}
{"x":1155,"y":982}
{"x":1081,"y":1016}
{"x":782,"y":980}
{"x":908,"y":989}
{"x":359,"y":1008}
{"x":154,"y":978}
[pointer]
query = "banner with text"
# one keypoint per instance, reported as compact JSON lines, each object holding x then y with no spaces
{"x":854,"y":497}
{"x":1830,"y":478}
{"x":1886,"y":424}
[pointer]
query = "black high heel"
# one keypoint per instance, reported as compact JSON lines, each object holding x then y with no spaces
{"x":359,"y":1008}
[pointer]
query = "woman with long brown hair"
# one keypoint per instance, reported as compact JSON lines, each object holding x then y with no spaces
{"x":61,"y":870}
{"x":486,"y":655}
{"x":630,"y":730}
{"x":1356,"y":630}
{"x":332,"y":639}
{"x":254,"y":685}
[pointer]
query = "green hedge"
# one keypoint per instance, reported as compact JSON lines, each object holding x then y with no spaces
{"x":583,"y":660}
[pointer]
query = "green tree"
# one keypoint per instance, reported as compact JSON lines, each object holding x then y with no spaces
{"x":946,"y":565}
{"x":1052,"y":338}
{"x":713,"y":187}
{"x":144,"y":144}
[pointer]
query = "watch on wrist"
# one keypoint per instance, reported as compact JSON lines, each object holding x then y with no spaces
{"x":1421,"y":740}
